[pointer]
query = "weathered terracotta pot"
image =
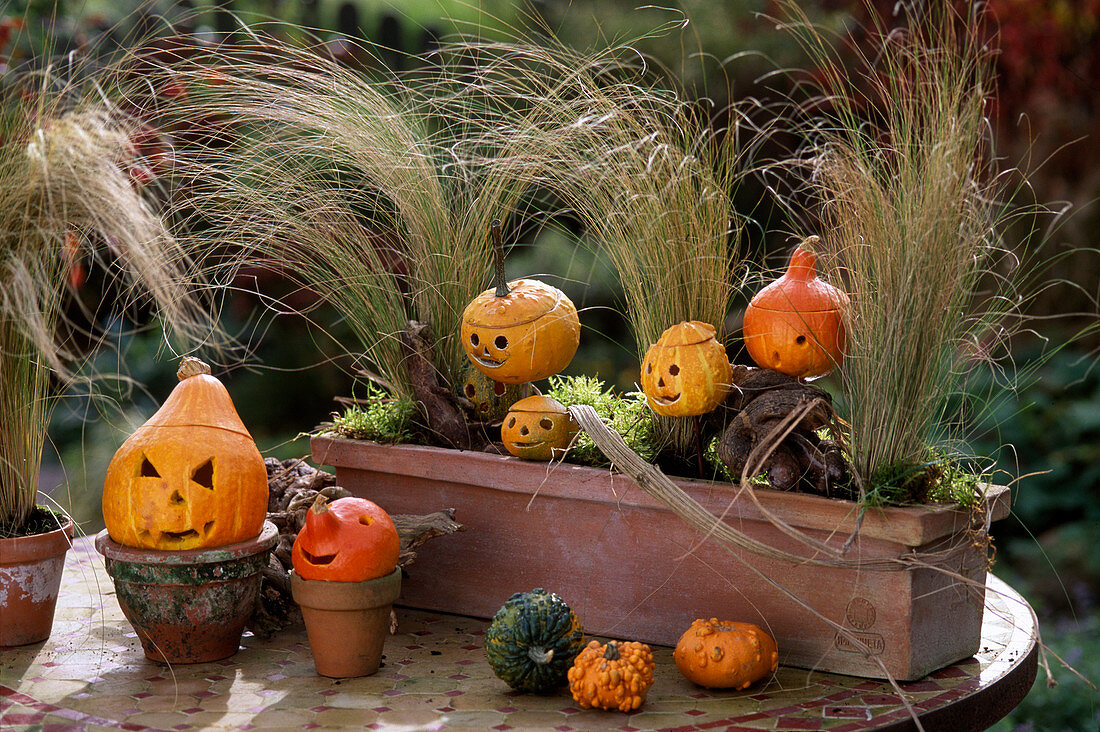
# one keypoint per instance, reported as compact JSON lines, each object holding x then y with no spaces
{"x":30,"y":577}
{"x":631,"y":568}
{"x":188,"y":606}
{"x":347,"y":622}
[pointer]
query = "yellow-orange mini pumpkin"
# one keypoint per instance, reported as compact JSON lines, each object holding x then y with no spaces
{"x":725,"y":654}
{"x":191,"y":477}
{"x":538,"y":428}
{"x":686,"y":372}
{"x":795,"y":324}
{"x":519,"y":331}
{"x":612,"y":676}
{"x":349,"y":540}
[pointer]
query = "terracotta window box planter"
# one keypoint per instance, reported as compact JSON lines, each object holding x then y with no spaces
{"x":632,"y":569}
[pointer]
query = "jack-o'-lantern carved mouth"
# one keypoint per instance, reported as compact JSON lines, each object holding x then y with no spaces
{"x":177,"y":538}
{"x":527,"y":444}
{"x":318,"y":559}
{"x":666,"y":401}
{"x":487,"y":362}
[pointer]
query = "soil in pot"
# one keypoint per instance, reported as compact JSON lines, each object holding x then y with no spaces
{"x":188,"y":606}
{"x":30,"y":578}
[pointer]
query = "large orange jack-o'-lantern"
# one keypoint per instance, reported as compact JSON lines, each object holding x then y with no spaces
{"x":520,"y":331}
{"x":686,"y":372}
{"x":191,"y":477}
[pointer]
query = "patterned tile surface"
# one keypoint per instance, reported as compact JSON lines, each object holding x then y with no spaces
{"x":92,"y":675}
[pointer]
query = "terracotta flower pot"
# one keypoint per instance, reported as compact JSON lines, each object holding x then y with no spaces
{"x":30,"y":577}
{"x":347,"y":622}
{"x":188,"y":606}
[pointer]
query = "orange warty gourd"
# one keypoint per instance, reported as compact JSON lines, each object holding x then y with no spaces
{"x":795,"y":324}
{"x":349,"y":540}
{"x":686,"y":372}
{"x":538,"y":428}
{"x":725,"y":654}
{"x":191,"y":477}
{"x":520,"y":331}
{"x":612,"y":676}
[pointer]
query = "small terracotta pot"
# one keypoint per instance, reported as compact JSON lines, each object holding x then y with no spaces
{"x":30,"y":577}
{"x":347,"y":622}
{"x":188,"y":606}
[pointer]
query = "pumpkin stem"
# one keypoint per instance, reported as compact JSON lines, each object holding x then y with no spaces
{"x":540,"y":656}
{"x":611,"y":651}
{"x":320,"y":504}
{"x":810,"y":243}
{"x":191,"y":366}
{"x":500,"y":280}
{"x":803,"y":264}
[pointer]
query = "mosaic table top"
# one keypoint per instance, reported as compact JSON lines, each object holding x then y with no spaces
{"x":91,"y":674}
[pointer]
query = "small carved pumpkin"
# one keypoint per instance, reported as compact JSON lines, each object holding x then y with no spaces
{"x":724,"y":654}
{"x":349,"y":540}
{"x":615,"y":676}
{"x":795,"y":324}
{"x":191,"y":477}
{"x":491,"y":399}
{"x":520,"y":331}
{"x":538,"y":428}
{"x":686,"y":372}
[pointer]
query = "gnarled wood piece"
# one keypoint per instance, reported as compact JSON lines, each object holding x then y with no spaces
{"x":759,"y":400}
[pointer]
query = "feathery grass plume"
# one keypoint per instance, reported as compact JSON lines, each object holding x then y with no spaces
{"x":641,"y":168}
{"x":67,"y":199}
{"x":911,"y":217}
{"x":343,"y":183}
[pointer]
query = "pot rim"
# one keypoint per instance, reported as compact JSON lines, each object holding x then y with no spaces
{"x":264,"y":541}
{"x":34,"y":547}
{"x":334,"y":595}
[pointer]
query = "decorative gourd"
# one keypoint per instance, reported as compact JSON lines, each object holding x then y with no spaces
{"x":724,"y":654}
{"x":491,"y":399}
{"x":538,"y":428}
{"x":349,"y":540}
{"x":191,"y":477}
{"x":686,"y":372}
{"x":612,"y":676}
{"x":520,"y":331}
{"x":532,"y":641}
{"x":795,"y":324}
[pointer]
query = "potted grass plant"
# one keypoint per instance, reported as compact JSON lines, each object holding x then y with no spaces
{"x":69,"y":210}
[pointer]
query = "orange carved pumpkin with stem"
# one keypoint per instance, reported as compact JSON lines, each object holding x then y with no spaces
{"x":686,"y":372}
{"x":349,"y":540}
{"x":191,"y":477}
{"x":795,"y":325}
{"x":538,"y":428}
{"x":519,"y":331}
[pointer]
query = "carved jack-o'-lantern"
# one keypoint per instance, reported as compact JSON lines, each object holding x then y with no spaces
{"x":349,"y":540}
{"x":491,"y":399}
{"x":520,"y":331}
{"x":795,"y":324}
{"x":538,"y":428}
{"x":686,"y":372}
{"x":190,"y":477}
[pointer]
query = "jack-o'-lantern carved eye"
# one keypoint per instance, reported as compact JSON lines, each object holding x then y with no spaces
{"x":147,"y":470}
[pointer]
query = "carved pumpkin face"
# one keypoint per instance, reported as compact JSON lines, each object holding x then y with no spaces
{"x":349,"y":540}
{"x":795,"y":324}
{"x":725,"y":654}
{"x":538,"y":428}
{"x":491,"y":399}
{"x":686,"y":371}
{"x":526,"y":335}
{"x":191,"y":477}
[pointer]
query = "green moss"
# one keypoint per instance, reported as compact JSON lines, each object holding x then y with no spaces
{"x":626,"y":414}
{"x":384,"y":418}
{"x":940,"y":479}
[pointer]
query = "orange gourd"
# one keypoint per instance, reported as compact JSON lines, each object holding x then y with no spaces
{"x":538,"y":428}
{"x":612,"y":676}
{"x":686,"y":372}
{"x":191,"y":477}
{"x":795,"y":324}
{"x":349,"y":540}
{"x":519,"y":331}
{"x":725,"y":654}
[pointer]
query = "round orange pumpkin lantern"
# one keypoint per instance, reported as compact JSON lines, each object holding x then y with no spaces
{"x":538,"y":428}
{"x":519,"y":331}
{"x":795,"y":324}
{"x":725,"y":654}
{"x":349,"y":540}
{"x":191,"y":477}
{"x":686,"y":372}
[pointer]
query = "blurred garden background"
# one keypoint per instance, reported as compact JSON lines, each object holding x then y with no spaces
{"x":1045,"y":121}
